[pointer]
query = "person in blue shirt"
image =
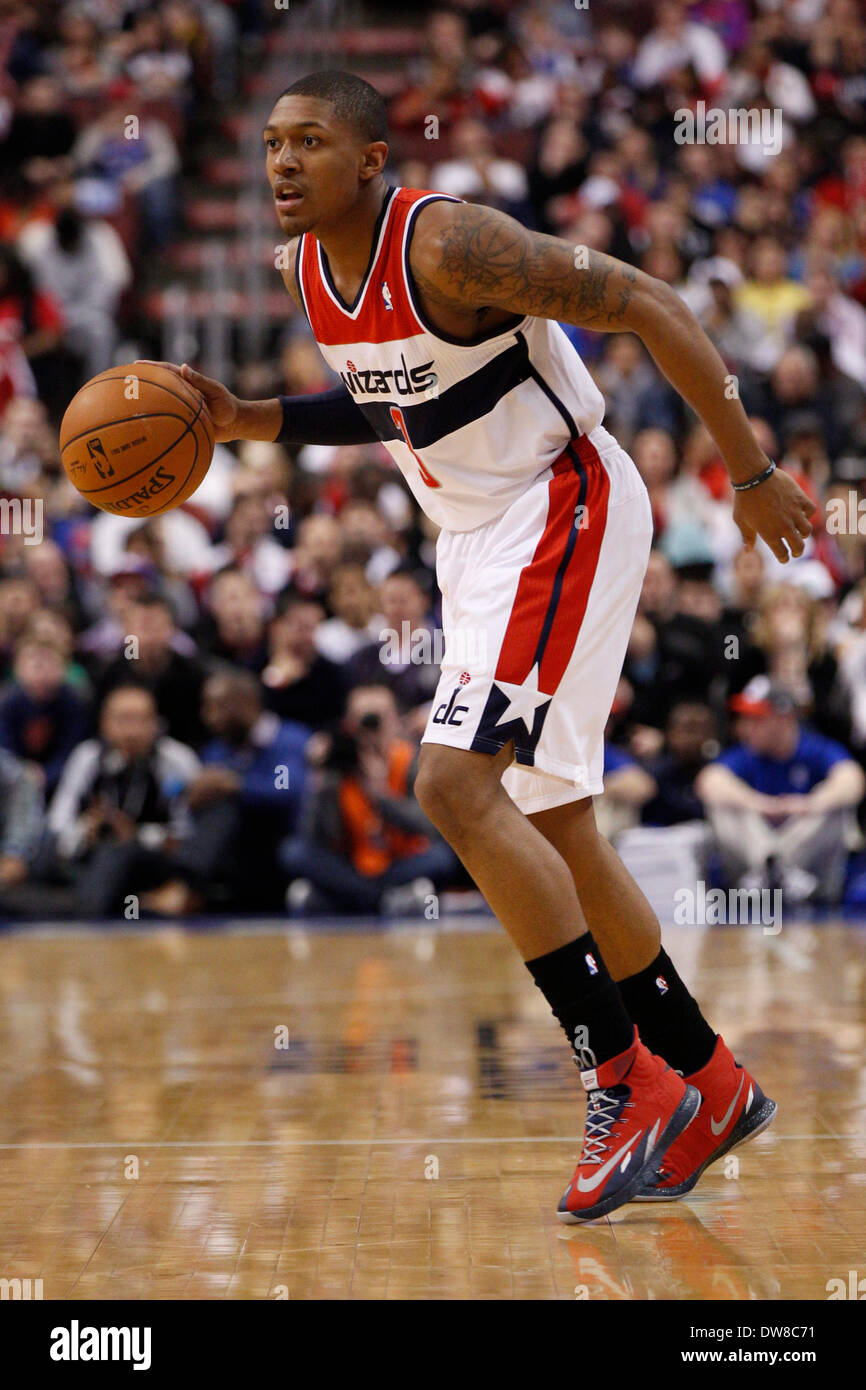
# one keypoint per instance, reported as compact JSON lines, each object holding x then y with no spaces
{"x":627,"y":786}
{"x":244,"y":801}
{"x":781,"y":801}
{"x":41,"y":717}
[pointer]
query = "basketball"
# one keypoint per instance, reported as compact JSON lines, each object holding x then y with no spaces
{"x":136,"y":440}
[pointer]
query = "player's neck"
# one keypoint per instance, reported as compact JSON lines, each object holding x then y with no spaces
{"x":348,"y":244}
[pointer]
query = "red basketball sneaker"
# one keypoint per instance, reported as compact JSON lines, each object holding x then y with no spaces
{"x":636,"y":1107}
{"x":733,"y":1109}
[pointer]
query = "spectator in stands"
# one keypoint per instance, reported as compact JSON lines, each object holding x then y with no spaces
{"x":442,"y":81}
{"x":143,"y":165}
{"x":403,"y":655}
{"x":100,"y":643}
{"x":691,"y":741}
{"x":52,"y":627}
{"x":78,"y":58}
{"x":156,"y":62}
{"x":56,"y":584}
{"x":627,"y":788}
{"x":769,"y":302}
{"x":317,"y":551}
{"x":250,"y":544}
{"x":788,"y":642}
{"x":234,"y":630}
{"x":82,"y":265}
{"x":19,"y":601}
{"x":748,"y":583}
{"x":355,"y":622}
{"x":676,"y":43}
{"x":37,"y":149}
{"x":119,"y":812}
{"x":22,"y":826}
{"x":839,"y":317}
{"x":27,"y":444}
{"x":781,"y":800}
{"x":244,"y":800}
{"x":150,"y":656}
{"x":475,"y":171}
{"x":31,"y":335}
{"x":300,"y":684}
{"x":365,"y":845}
{"x":41,"y":717}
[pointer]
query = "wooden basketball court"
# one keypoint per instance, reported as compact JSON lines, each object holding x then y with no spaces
{"x":254,"y":1114}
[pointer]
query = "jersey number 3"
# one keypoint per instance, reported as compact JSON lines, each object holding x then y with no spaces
{"x":397,"y":417}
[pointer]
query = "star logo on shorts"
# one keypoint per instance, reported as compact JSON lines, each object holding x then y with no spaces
{"x":513,"y":710}
{"x":523,"y":700}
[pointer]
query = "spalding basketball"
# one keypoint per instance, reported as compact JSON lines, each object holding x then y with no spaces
{"x":136,"y":440}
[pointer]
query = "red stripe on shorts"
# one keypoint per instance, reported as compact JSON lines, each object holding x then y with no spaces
{"x":537,"y":589}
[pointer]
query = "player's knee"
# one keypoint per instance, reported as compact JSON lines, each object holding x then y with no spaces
{"x":452,"y":787}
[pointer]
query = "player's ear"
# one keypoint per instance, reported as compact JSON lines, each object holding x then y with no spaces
{"x":373,"y":160}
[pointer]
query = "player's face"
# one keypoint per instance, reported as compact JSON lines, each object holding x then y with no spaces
{"x":314,"y":163}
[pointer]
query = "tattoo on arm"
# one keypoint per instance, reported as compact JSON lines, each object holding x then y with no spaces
{"x":480,"y":258}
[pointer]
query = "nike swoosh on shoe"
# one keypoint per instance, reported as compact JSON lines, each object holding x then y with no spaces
{"x":590,"y":1184}
{"x":718,"y":1126}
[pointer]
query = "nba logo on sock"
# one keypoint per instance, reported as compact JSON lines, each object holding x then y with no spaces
{"x":661,"y":984}
{"x":590,"y":960}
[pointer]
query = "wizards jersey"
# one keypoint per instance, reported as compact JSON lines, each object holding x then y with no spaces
{"x":470,"y":425}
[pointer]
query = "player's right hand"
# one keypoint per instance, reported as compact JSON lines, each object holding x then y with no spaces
{"x":222,"y":407}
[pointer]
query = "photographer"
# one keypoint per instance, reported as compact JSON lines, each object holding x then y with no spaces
{"x":119,"y":812}
{"x":365,"y":845}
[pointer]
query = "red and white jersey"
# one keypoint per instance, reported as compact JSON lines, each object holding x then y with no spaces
{"x":470,"y":425}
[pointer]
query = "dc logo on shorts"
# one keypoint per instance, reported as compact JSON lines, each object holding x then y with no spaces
{"x":447,"y":713}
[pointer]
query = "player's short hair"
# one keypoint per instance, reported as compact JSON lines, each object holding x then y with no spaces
{"x":354,"y":100}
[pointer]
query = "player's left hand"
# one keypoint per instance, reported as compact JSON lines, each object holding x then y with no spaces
{"x":777,"y":511}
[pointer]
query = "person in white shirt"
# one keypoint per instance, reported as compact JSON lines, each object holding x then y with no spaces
{"x":83,"y":265}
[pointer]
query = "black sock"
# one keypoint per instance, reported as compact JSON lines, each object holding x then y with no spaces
{"x":668,"y":1019}
{"x":575,"y":982}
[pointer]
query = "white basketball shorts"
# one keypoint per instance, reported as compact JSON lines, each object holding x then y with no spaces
{"x":537,"y":610}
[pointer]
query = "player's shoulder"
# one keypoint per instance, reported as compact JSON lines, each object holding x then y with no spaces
{"x":445,"y":223}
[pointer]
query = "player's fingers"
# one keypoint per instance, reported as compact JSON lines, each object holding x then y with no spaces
{"x":803,"y":525}
{"x":747,"y":534}
{"x":201,"y":383}
{"x":152,"y":362}
{"x":796,"y":543}
{"x":780,"y":550}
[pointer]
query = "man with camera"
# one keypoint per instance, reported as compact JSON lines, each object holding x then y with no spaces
{"x":364,"y":844}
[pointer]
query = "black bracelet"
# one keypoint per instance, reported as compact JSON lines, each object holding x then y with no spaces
{"x":753,"y":482}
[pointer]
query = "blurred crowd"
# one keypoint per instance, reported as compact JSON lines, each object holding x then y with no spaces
{"x":208,"y":710}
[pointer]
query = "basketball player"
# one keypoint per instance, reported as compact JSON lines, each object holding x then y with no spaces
{"x":441,"y":320}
